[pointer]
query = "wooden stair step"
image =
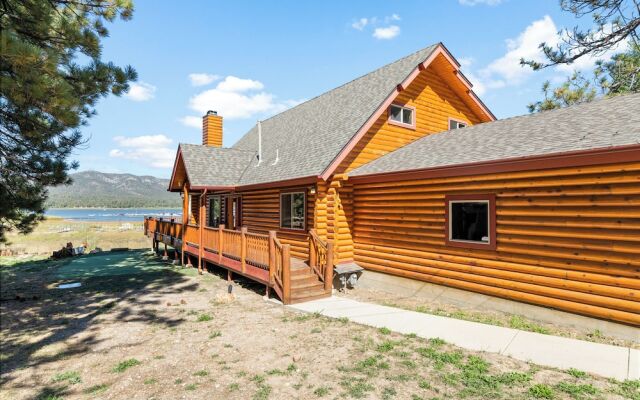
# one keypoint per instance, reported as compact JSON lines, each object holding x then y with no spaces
{"x":309,"y":295}
{"x":306,"y":286}
{"x":299,"y":279}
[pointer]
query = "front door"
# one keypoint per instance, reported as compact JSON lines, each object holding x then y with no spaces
{"x":234,"y":212}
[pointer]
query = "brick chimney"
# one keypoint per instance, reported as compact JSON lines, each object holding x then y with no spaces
{"x":212,"y":129}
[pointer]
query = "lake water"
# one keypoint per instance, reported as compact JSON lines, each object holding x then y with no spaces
{"x":113,"y":214}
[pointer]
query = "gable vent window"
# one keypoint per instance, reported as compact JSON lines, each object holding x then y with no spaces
{"x":453,"y":124}
{"x":470,"y":221}
{"x":402,"y":115}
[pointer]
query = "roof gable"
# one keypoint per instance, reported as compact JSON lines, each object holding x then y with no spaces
{"x":605,"y":123}
{"x":311,"y":138}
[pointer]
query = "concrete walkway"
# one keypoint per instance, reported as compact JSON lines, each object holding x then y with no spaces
{"x":609,"y":361}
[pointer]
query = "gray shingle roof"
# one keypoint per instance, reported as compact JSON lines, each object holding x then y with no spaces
{"x":214,"y":166}
{"x":599,"y":124}
{"x":306,"y":138}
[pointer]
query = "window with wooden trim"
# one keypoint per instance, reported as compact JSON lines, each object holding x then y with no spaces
{"x":470,"y":221}
{"x":402,"y":115}
{"x":455,"y":124}
{"x":293,"y":210}
{"x":215,"y":211}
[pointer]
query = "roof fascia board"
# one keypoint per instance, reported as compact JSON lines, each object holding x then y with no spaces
{"x":175,"y":167}
{"x":440,"y":50}
{"x":599,"y":156}
{"x":266,"y":185}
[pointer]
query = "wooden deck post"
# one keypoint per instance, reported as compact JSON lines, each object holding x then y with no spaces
{"x":220,"y":242}
{"x":272,"y":256}
{"x":328,"y":269}
{"x":185,"y":219}
{"x":243,"y":248}
{"x":286,"y":275}
{"x":201,"y":230}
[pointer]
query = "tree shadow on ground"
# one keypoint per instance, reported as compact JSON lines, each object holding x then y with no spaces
{"x":36,"y":327}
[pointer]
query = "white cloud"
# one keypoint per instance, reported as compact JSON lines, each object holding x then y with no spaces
{"x":152,"y":150}
{"x":192,"y":121}
{"x":234,"y":84}
{"x":236,"y":98}
{"x":202,"y":79}
{"x":386,"y":33}
{"x":141,"y":91}
{"x":392,"y":17}
{"x":472,"y":3}
{"x":389,"y":31}
{"x":507,"y":70}
{"x":360,"y":24}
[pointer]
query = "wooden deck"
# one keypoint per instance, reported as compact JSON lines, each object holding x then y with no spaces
{"x":262,"y":258}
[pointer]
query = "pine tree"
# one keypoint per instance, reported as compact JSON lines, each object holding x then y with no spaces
{"x":51,"y":76}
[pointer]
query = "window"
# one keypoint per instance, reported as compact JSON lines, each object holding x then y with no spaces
{"x":215,"y":212}
{"x":292,"y":210}
{"x":470,"y":221}
{"x":402,"y":115}
{"x":454,"y":124}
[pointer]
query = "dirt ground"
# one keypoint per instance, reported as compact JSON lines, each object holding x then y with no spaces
{"x":485,"y":316}
{"x":160,"y":332}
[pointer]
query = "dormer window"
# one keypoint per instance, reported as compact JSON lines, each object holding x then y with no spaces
{"x":455,"y":124}
{"x":402,"y":115}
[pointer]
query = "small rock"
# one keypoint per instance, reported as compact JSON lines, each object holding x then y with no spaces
{"x":296,"y":357}
{"x":168,"y":304}
{"x":183,"y":301}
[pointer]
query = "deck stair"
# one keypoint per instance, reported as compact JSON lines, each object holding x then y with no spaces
{"x":305,"y":284}
{"x":262,"y":258}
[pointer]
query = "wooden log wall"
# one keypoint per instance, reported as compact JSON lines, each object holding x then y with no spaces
{"x":566,"y":238}
{"x":261,"y":213}
{"x":434,"y":101}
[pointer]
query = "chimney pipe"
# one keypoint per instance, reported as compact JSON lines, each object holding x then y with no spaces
{"x":212,"y":129}
{"x":259,"y":142}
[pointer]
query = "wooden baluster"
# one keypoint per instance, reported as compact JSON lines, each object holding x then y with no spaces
{"x":328,"y":269}
{"x":286,"y":275}
{"x":312,"y":249}
{"x":243,"y":248}
{"x":220,"y":245}
{"x":272,"y":256}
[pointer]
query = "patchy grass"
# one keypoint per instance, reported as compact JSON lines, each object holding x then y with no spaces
{"x":204,"y":318}
{"x":321,"y":391}
{"x":541,"y":391}
{"x":125,"y":365}
{"x":71,"y":377}
{"x":269,"y":354}
{"x":97,"y":389}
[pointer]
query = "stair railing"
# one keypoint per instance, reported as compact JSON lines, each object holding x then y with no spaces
{"x":280,"y":267}
{"x":321,"y":259}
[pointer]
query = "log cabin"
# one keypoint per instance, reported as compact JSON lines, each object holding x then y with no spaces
{"x":404,"y":171}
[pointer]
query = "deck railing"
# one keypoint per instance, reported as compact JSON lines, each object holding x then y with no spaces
{"x":321,"y":259}
{"x":251,"y":252}
{"x":191,"y":235}
{"x":280,"y":271}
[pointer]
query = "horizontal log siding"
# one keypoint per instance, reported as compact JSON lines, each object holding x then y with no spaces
{"x":261,"y":213}
{"x":434,"y":101}
{"x":566,"y":238}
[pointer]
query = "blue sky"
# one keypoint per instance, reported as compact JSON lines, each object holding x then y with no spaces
{"x":251,"y":59}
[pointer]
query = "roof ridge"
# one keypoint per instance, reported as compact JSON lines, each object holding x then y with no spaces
{"x":352,"y":80}
{"x":216,"y":148}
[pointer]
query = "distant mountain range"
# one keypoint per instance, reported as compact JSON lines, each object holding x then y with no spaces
{"x":98,"y":189}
